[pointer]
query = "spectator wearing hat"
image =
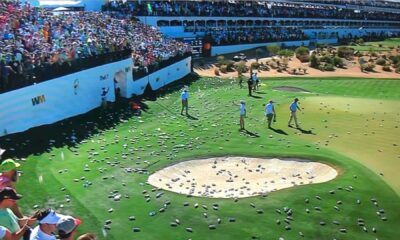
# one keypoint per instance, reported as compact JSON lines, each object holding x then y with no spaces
{"x":67,"y":227}
{"x":48,"y":220}
{"x":270,"y":112}
{"x":87,"y":236}
{"x":185,"y":98}
{"x":242,"y":110}
{"x":17,"y":226}
{"x":8,"y":178}
{"x":293,"y":109}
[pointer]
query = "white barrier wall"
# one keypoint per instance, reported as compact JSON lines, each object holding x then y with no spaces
{"x":217,"y":50}
{"x":60,"y":98}
{"x":57,"y":99}
{"x":160,"y":78}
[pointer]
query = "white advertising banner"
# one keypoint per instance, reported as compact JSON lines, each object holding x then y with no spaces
{"x":63,"y":97}
{"x":160,"y":78}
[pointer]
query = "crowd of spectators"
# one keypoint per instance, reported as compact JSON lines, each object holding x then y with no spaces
{"x":221,"y":36}
{"x":37,"y":44}
{"x":244,"y":9}
{"x":370,"y":3}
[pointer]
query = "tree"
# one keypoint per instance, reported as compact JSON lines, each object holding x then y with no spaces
{"x":259,"y":52}
{"x":273,"y":49}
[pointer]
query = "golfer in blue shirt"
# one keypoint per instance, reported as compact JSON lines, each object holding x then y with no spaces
{"x":293,"y":108}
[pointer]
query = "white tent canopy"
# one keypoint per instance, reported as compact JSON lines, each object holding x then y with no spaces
{"x":62,"y":3}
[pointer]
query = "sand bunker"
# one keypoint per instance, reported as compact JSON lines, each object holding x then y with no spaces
{"x":238,"y":177}
{"x":290,"y":89}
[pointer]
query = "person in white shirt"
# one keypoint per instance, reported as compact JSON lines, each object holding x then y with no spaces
{"x":270,"y":112}
{"x":184,"y":98}
{"x":242,"y":110}
{"x":48,"y":220}
{"x":293,"y":108}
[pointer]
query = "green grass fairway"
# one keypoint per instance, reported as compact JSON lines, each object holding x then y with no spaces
{"x":374,"y":46}
{"x":351,"y":124}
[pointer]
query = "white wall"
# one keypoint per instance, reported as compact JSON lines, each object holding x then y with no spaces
{"x":59,"y":98}
{"x":54,"y":100}
{"x":217,"y":50}
{"x":160,"y":78}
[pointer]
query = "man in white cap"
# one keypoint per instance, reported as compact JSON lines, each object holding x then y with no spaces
{"x":48,"y":220}
{"x":184,"y":98}
{"x":270,"y":112}
{"x":242,"y":110}
{"x":67,"y":227}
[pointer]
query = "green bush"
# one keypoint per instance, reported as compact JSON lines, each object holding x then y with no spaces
{"x":329,"y":67}
{"x":302,"y":51}
{"x":314,"y":61}
{"x":285,"y":53}
{"x":220,"y":60}
{"x":273,"y":49}
{"x":241,"y":67}
{"x":381,"y":61}
{"x":395,"y":59}
{"x":338,"y":62}
{"x":230,"y":65}
{"x":255,"y":65}
{"x":216,"y":72}
{"x":223,"y":68}
{"x":386,"y":68}
{"x":326,"y":59}
{"x":345,"y":52}
{"x":397,"y":70}
{"x":370,"y":67}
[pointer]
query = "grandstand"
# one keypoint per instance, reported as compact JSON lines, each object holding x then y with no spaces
{"x":216,"y":22}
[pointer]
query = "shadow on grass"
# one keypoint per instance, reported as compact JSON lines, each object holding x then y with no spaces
{"x":247,"y":132}
{"x":70,"y":132}
{"x":258,"y":97}
{"x":278,"y":131}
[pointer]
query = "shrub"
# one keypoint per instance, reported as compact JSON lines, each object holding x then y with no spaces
{"x":381,"y":61}
{"x":362,"y":67}
{"x":314,"y":61}
{"x":220,"y":59}
{"x":345,"y":52}
{"x":255,"y":65}
{"x":397,"y":70}
{"x":338,"y":62}
{"x":370,"y":67}
{"x":326,"y":59}
{"x":230,"y":65}
{"x":293,"y":71}
{"x":395,"y":59}
{"x":360,"y":41}
{"x":223,"y":68}
{"x":329,"y":67}
{"x":303,"y":58}
{"x":302,"y":51}
{"x":259,"y":52}
{"x":386,"y":68}
{"x":216,"y":72}
{"x":241,"y":67}
{"x":273,"y":49}
{"x":285,"y":53}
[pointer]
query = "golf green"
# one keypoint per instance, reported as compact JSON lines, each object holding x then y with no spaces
{"x":350,"y":124}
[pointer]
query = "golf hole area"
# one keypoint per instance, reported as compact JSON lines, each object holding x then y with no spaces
{"x":239,"y":177}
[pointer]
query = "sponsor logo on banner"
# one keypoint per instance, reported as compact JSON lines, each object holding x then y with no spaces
{"x":103,"y":77}
{"x":38,"y":100}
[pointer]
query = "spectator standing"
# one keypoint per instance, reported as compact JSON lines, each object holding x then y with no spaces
{"x":17,"y":226}
{"x":8,"y":178}
{"x":294,"y":106}
{"x":67,"y":227}
{"x":48,"y":220}
{"x":270,"y":112}
{"x":242,"y":110}
{"x":185,"y":98}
